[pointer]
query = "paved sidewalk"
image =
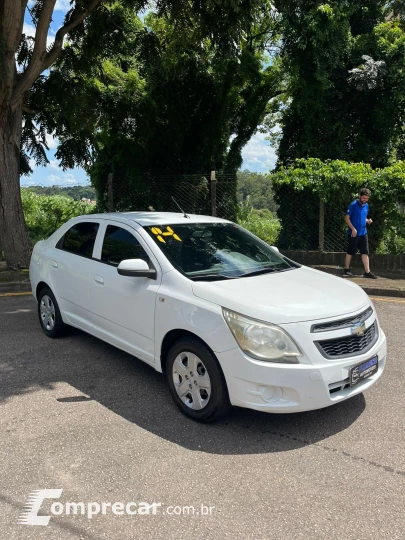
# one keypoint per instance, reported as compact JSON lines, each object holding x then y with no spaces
{"x":387,"y":284}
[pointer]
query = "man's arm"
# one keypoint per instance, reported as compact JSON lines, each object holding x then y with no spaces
{"x":350,"y":225}
{"x":369,"y":221}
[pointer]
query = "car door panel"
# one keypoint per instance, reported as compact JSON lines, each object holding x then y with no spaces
{"x":123,"y":308}
{"x":70,"y":278}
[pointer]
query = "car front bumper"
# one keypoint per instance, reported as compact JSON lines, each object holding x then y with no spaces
{"x":285,"y":388}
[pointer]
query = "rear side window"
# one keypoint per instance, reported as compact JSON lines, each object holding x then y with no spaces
{"x":119,"y":244}
{"x":80,"y":239}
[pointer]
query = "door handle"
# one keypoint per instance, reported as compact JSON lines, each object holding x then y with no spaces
{"x":99,"y":279}
{"x":54,"y":264}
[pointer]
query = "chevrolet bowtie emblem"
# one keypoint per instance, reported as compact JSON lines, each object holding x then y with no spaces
{"x":358,"y":329}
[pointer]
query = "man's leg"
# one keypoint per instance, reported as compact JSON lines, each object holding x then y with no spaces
{"x":364,"y":257}
{"x":351,"y":250}
{"x":366,"y":263}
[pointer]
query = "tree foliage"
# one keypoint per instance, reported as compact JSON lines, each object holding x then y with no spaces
{"x":337,"y":183}
{"x":262,"y":223}
{"x":346,"y":65}
{"x":181,"y":92}
{"x":169,"y":97}
{"x":258,"y":187}
{"x":46,"y":213}
{"x":75,"y":79}
{"x":22,"y":61}
{"x":75,"y":192}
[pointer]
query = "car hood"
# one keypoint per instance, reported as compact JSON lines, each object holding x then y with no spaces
{"x":302,"y":294}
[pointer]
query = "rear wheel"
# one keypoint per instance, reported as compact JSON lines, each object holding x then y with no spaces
{"x":196,"y":381}
{"x":49,"y":314}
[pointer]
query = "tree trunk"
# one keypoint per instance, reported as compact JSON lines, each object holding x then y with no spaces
{"x":13,"y":230}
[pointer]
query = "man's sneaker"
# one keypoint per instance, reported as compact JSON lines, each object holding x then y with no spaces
{"x":347,"y":273}
{"x":369,"y":275}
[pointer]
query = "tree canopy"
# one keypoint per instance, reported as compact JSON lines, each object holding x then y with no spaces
{"x":22,"y":60}
{"x":172,"y":95}
{"x":169,"y":95}
{"x":346,"y":93}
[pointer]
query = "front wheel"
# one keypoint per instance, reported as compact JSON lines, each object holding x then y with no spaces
{"x":196,"y":381}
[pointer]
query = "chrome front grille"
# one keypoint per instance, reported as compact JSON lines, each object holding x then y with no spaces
{"x":347,"y":346}
{"x":342,"y":323}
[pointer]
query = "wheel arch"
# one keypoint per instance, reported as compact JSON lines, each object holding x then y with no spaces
{"x":174,"y":335}
{"x":41,"y":285}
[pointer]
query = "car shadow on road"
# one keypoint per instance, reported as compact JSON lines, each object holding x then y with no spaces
{"x":133,"y":390}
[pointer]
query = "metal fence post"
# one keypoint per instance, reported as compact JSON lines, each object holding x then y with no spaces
{"x":110,"y":193}
{"x":213,"y":194}
{"x":321,"y":226}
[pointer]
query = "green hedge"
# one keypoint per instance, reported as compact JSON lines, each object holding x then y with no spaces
{"x":300,"y":187}
{"x":46,"y":213}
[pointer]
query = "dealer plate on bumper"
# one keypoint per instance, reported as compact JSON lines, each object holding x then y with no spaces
{"x":363,"y":371}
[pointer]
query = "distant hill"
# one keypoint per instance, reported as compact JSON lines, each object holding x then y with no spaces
{"x":260,"y":189}
{"x":75,"y":192}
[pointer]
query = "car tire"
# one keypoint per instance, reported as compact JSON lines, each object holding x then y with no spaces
{"x":49,"y":314}
{"x":196,"y":381}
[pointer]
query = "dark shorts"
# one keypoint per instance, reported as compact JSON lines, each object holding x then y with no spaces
{"x":358,"y":243}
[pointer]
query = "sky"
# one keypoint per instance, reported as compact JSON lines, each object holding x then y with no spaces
{"x":258,"y":155}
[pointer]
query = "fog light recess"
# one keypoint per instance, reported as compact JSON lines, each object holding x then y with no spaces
{"x":271,"y":394}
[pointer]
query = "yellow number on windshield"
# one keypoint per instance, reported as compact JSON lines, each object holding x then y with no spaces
{"x":160,"y":234}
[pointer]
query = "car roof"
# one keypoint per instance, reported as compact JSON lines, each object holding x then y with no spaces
{"x":157,"y":218}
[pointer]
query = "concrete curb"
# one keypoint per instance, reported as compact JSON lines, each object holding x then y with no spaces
{"x":15,"y":287}
{"x":384,"y":292}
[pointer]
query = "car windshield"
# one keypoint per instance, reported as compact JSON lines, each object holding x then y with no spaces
{"x":213,"y":251}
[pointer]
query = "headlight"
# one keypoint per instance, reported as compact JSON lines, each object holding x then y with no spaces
{"x":262,"y":341}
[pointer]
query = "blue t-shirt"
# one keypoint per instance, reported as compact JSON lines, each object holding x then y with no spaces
{"x":358,"y":214}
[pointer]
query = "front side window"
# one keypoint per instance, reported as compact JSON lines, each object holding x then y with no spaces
{"x":119,"y":245}
{"x":80,"y":239}
{"x":216,"y":250}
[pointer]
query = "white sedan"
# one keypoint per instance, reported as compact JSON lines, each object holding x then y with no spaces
{"x":225,"y":317}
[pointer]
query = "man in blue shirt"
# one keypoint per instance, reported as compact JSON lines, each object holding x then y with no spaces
{"x":357,"y":220}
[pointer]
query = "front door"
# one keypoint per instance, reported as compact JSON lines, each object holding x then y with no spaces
{"x":124,"y":307}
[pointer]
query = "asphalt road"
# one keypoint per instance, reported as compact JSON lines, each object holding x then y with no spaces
{"x":78,"y":415}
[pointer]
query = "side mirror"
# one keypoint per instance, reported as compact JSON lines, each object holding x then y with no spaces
{"x":275,"y":249}
{"x":136,"y":268}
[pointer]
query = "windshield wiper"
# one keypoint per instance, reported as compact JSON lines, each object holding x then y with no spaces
{"x":267,"y":271}
{"x":210,"y":277}
{"x":261,"y":271}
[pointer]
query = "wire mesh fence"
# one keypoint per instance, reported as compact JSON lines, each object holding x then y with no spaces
{"x":316,"y":226}
{"x":335,"y":230}
{"x":307,"y":223}
{"x":161,"y":194}
{"x":299,"y":217}
{"x":210,"y":194}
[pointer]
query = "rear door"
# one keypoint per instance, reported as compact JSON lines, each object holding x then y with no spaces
{"x":124,"y":307}
{"x":70,"y":271}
